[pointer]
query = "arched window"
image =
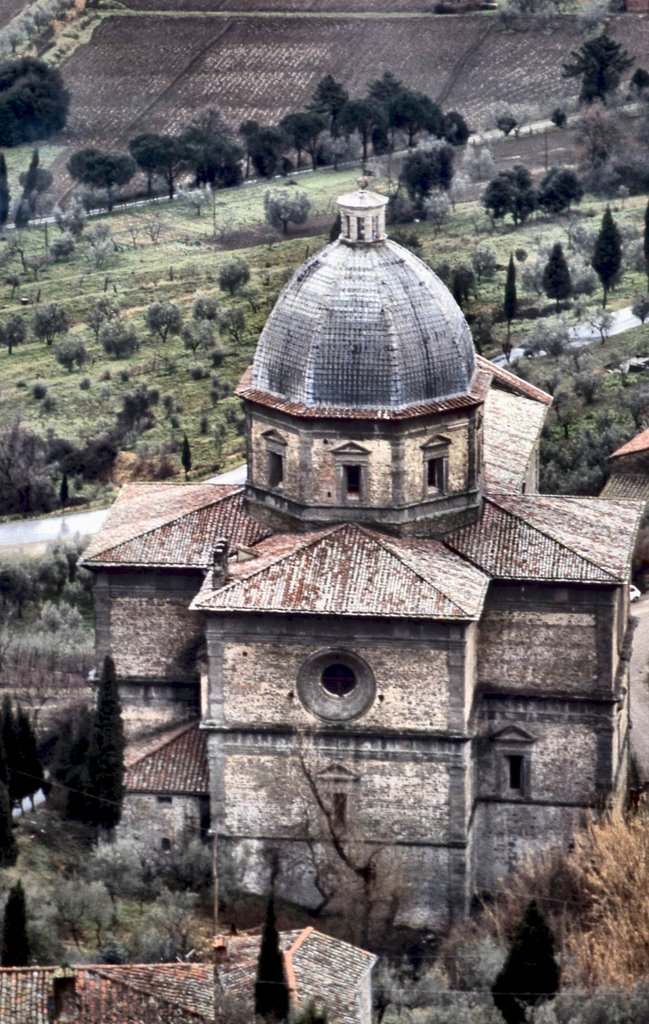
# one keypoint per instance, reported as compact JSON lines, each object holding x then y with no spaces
{"x":339,"y":680}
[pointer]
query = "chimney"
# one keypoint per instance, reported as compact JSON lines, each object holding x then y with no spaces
{"x":64,"y":1004}
{"x":220,"y":950}
{"x":220,"y":563}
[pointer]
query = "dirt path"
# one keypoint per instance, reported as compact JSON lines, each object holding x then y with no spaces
{"x":640,"y":688}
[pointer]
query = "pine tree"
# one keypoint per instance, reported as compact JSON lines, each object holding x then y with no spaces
{"x":557,"y":284}
{"x":510,"y":302}
{"x":8,"y":848}
{"x":607,"y":255}
{"x":5,"y":198}
{"x":186,"y":456}
{"x":15,"y":943}
{"x":271,"y":987}
{"x":530,"y":973}
{"x":106,"y":752}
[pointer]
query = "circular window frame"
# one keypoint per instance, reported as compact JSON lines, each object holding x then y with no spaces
{"x":318,"y":701}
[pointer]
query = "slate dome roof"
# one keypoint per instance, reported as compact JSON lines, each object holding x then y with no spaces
{"x":364,"y":325}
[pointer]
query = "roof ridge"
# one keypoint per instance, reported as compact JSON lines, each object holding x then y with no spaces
{"x":506,"y":377}
{"x":543,"y":533}
{"x":178,"y":732}
{"x":416,"y":572}
{"x":176,"y":517}
{"x":321,"y":534}
{"x":141,"y":989}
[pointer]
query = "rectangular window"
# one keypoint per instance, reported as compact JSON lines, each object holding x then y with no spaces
{"x":165,"y":844}
{"x":352,"y":481}
{"x":360,"y":229}
{"x":275,"y":469}
{"x":348,"y":226}
{"x":164,"y":799}
{"x":435,"y":474}
{"x":515,"y":772}
{"x":339,"y":808}
{"x":375,"y":228}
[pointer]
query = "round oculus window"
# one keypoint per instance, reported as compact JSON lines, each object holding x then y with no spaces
{"x":339,"y":680}
{"x":336,"y":685}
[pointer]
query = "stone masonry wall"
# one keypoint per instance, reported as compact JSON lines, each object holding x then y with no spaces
{"x":148,"y":819}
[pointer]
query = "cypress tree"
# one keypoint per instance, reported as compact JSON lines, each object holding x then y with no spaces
{"x":11,"y":749}
{"x":530,"y":974}
{"x":5,"y":198}
{"x":556,"y":276}
{"x":64,"y":491}
{"x":8,"y":848}
{"x":186,"y":456}
{"x":271,"y":987}
{"x":15,"y":943}
{"x":106,"y":752}
{"x":607,"y":255}
{"x":30,"y":773}
{"x":511,"y":301}
{"x":646,"y":241}
{"x":70,"y":767}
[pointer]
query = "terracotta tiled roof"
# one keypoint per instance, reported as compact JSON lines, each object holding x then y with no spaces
{"x":479,"y":389}
{"x":172,"y":525}
{"x":164,"y":993}
{"x":323,"y":969}
{"x":551,"y":538}
{"x":328,"y":970}
{"x":510,"y":382}
{"x":177,"y":765}
{"x":627,"y":485}
{"x":512,"y":427}
{"x":639,"y":443}
{"x":349,"y":570}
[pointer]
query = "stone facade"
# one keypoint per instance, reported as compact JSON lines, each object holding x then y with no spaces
{"x":415,"y":668}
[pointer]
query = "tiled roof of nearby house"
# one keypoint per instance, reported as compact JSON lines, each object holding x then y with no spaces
{"x":639,"y":443}
{"x":350,"y":570}
{"x":551,"y":538}
{"x":327,"y":970}
{"x":320,"y":968}
{"x":178,"y":764}
{"x":479,"y":388}
{"x":510,"y":382}
{"x":627,"y":485}
{"x":164,"y":993}
{"x":512,"y":426}
{"x":172,"y":525}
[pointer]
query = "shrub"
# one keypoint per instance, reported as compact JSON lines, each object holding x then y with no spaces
{"x":49,"y":404}
{"x":85,"y":383}
{"x":33,"y":101}
{"x":119,"y":339}
{"x":197,"y":372}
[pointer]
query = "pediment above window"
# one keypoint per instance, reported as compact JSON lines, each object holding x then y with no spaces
{"x":512,"y":734}
{"x":337,"y":773}
{"x":350,"y":448}
{"x":436,"y":441}
{"x":274,"y":436}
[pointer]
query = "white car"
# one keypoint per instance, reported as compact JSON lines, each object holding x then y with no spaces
{"x":634,"y":593}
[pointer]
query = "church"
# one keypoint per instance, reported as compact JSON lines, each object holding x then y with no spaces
{"x":405,"y":666}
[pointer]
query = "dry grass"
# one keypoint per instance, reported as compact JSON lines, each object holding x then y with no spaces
{"x":595,"y":899}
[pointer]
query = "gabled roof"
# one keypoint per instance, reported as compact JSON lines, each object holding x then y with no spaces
{"x":350,"y":570}
{"x":627,"y":485}
{"x":172,"y":526}
{"x":551,"y":538}
{"x":512,"y":427}
{"x":318,"y":967}
{"x":639,"y":443}
{"x":510,"y":382}
{"x":178,"y":764}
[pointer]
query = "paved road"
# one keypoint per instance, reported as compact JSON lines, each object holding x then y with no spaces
{"x":583,"y":334}
{"x":640,"y":687}
{"x":79,"y":524}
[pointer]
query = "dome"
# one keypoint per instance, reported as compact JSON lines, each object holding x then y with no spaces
{"x":364,"y":324}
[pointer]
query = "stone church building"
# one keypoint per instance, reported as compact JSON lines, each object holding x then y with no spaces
{"x":408,"y":666}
